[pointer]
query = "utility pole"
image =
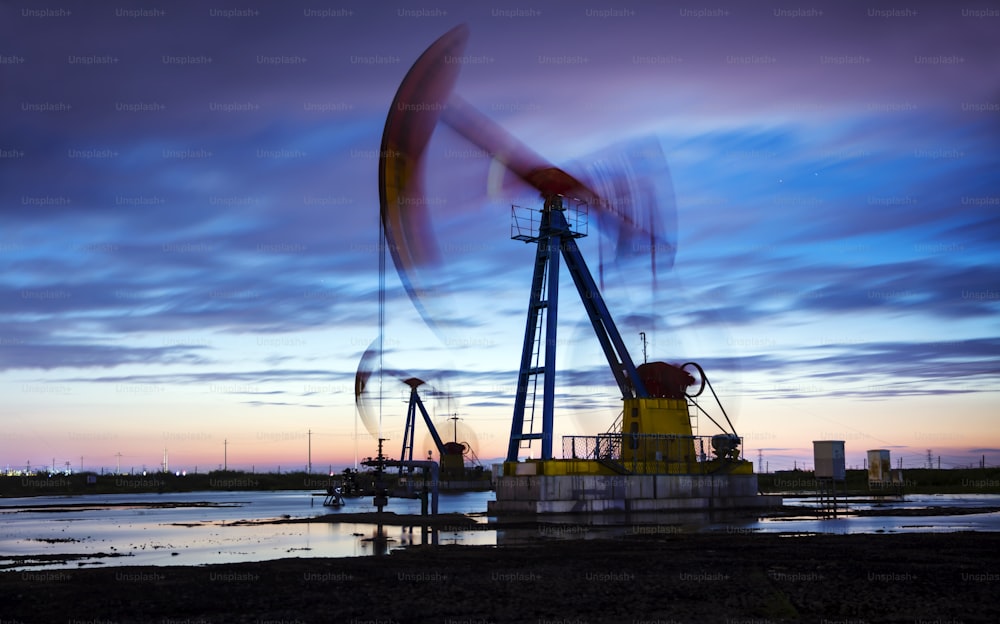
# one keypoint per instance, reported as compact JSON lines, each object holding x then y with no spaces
{"x":381,"y":494}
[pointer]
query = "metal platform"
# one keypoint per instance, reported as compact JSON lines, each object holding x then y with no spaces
{"x":526,"y":223}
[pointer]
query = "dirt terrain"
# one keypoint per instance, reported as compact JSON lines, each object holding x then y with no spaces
{"x":729,"y":578}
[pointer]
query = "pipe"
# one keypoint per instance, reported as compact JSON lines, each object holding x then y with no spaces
{"x":416,"y":463}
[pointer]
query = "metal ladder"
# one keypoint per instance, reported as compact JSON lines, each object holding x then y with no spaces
{"x":523,"y":429}
{"x":537,"y":370}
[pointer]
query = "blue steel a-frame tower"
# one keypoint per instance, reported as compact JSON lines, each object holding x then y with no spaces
{"x":411,"y":418}
{"x":555,"y":237}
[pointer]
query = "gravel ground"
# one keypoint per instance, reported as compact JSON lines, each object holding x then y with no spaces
{"x":729,"y":578}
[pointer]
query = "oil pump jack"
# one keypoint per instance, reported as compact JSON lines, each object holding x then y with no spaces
{"x":656,"y":435}
{"x":653,"y":461}
{"x":451,"y":454}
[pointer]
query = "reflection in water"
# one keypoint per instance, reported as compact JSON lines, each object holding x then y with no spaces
{"x":379,"y":541}
{"x":201,"y":528}
{"x":205,"y":527}
{"x":428,"y":536}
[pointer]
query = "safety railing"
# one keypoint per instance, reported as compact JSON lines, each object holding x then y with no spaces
{"x":526,"y":223}
{"x":654,"y":453}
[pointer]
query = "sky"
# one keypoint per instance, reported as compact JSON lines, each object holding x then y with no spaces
{"x":189,"y":230}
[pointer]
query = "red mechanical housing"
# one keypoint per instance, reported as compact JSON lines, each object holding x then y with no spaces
{"x":665,"y":381}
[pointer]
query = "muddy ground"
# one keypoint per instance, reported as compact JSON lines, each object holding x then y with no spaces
{"x":729,"y":578}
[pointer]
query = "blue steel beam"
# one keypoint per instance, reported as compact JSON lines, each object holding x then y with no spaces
{"x":427,"y":420}
{"x":617,"y":354}
{"x":409,"y":431}
{"x":551,"y":325}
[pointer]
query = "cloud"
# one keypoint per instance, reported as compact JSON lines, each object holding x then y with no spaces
{"x":279,"y":404}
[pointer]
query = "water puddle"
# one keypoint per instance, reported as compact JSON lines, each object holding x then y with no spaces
{"x":200,"y":528}
{"x":184,"y":529}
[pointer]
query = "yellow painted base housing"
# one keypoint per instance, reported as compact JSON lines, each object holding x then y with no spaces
{"x":656,"y":416}
{"x":658,"y":432}
{"x":452,"y":464}
{"x":560,"y":467}
{"x":556,"y":467}
{"x":656,"y":439}
{"x":653,"y":467}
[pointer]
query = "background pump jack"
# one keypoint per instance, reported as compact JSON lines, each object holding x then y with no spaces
{"x":451,"y":454}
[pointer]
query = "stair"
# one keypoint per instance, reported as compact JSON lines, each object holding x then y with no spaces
{"x":615,"y":465}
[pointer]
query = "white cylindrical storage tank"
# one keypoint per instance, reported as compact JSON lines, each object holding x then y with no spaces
{"x":828,"y":459}
{"x":879,"y":467}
